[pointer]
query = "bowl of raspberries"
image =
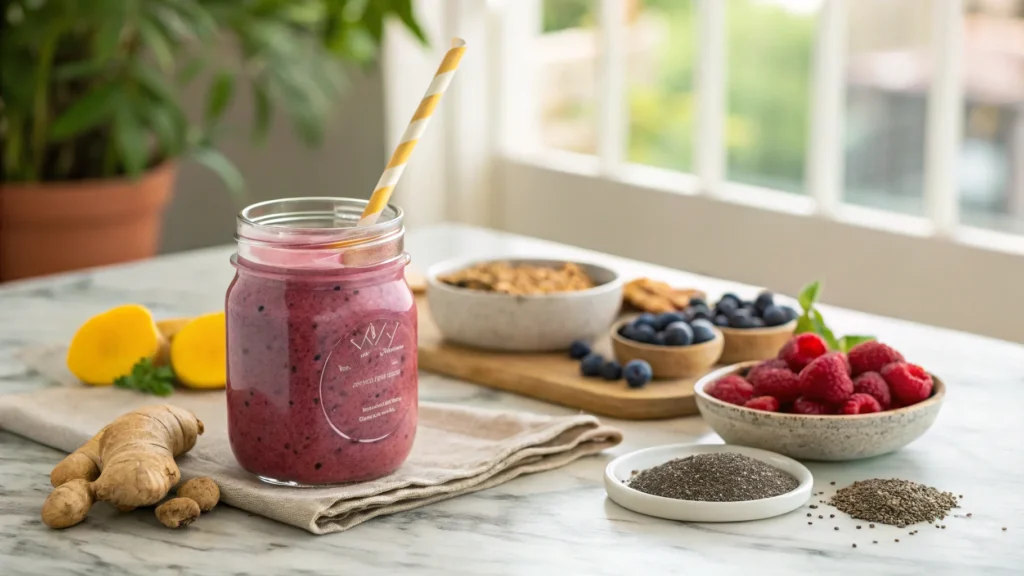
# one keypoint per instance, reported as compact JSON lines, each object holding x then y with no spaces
{"x":813,"y":403}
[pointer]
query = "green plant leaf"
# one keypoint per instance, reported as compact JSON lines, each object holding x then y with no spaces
{"x":221,"y":166}
{"x":132,"y":143}
{"x":849,"y":341}
{"x":262,"y":112}
{"x":108,"y":34}
{"x":169,"y":129}
{"x":148,"y":379}
{"x":804,"y":324}
{"x":94,"y":108}
{"x":80,"y":69}
{"x":218,"y":98}
{"x":190,"y":70}
{"x":809,"y":295}
{"x":405,"y":13}
{"x":159,"y":45}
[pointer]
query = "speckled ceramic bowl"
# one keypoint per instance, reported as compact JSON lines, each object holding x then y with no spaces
{"x":808,"y":437}
{"x":541,"y":323}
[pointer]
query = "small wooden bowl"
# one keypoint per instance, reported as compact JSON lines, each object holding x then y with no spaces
{"x":669,"y":362}
{"x":746,"y":344}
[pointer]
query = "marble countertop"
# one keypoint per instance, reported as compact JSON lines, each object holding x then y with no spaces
{"x":558,"y":522}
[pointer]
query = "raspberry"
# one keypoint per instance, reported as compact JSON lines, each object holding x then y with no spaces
{"x":909,"y":383}
{"x":773,"y":363}
{"x":732,"y":389}
{"x":777,"y":382}
{"x":827,"y":379}
{"x":802,"y":349}
{"x":766,"y":403}
{"x":871,"y":356}
{"x":872,"y":384}
{"x":860,"y":404}
{"x":808,"y":406}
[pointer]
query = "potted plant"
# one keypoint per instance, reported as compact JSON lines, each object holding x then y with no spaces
{"x":91,"y":125}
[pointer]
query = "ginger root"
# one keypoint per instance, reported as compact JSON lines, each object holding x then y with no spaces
{"x":68,"y":504}
{"x":109,"y":344}
{"x":199,"y":352}
{"x":134,"y":456}
{"x":203,"y":491}
{"x":177,"y":512}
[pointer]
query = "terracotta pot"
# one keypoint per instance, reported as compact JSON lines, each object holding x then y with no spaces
{"x":61,"y":226}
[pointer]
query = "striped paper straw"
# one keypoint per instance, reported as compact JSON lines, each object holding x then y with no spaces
{"x":413,"y":132}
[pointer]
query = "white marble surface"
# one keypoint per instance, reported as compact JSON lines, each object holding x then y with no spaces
{"x":553,"y":523}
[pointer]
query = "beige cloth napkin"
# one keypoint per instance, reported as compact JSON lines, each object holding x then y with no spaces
{"x":458,"y":450}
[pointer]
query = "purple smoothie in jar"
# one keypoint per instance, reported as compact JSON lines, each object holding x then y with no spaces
{"x":321,"y":328}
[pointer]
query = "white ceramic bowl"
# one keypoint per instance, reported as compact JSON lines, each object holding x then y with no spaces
{"x":619,"y":471}
{"x":812,"y":437}
{"x":530,"y":323}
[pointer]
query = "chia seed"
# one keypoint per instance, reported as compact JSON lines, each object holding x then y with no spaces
{"x":894,"y":502}
{"x":714,"y":477}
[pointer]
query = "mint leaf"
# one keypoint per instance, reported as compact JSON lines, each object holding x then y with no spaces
{"x":809,"y":295}
{"x":849,"y":341}
{"x":149,"y":379}
{"x":804,"y":324}
{"x":823,"y":330}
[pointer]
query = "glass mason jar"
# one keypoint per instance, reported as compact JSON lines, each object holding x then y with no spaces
{"x":321,"y":329}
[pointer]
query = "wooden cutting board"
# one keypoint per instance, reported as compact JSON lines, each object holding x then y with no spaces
{"x":552,"y":377}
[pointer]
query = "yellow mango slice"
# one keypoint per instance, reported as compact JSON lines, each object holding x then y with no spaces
{"x":170,"y":327}
{"x":199,"y":352}
{"x":109,"y":344}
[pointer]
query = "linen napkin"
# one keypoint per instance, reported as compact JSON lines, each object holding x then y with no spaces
{"x":458,"y":450}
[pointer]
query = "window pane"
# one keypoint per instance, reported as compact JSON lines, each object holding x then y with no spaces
{"x":566,"y":54}
{"x":992,"y":158}
{"x":770,"y":49}
{"x":660,"y":59}
{"x":887,"y":103}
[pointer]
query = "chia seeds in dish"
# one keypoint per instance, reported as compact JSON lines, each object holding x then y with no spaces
{"x":894,"y":502}
{"x":714,"y":477}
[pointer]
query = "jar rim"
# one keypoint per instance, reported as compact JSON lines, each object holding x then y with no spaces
{"x":389,"y":217}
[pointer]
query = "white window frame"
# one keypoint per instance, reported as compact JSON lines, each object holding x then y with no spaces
{"x":482,"y":164}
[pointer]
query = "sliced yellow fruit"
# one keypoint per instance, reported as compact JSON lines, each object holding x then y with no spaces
{"x":199,"y":352}
{"x":109,"y":344}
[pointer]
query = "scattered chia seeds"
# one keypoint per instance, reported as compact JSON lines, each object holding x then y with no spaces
{"x":894,"y":502}
{"x":714,"y":477}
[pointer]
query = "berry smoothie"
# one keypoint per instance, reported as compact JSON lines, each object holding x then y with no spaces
{"x":321,"y":338}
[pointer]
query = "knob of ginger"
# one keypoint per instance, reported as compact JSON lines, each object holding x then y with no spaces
{"x":134,"y":456}
{"x":177,"y":512}
{"x":203,"y":491}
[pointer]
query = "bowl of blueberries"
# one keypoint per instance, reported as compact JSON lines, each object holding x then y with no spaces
{"x":753,"y":329}
{"x":674,"y":344}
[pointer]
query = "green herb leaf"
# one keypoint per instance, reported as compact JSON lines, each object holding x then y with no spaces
{"x":262,"y":113}
{"x":93,"y":109}
{"x":149,"y":379}
{"x":214,"y":160}
{"x":809,"y":295}
{"x":153,"y":37}
{"x":849,"y":341}
{"x":219,"y":96}
{"x":804,"y":324}
{"x":823,"y":330}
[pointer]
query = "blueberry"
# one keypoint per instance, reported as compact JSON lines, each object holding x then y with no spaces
{"x":727,"y":307}
{"x":775,"y":316}
{"x":592,"y":365}
{"x":579,"y":350}
{"x":611,"y":370}
{"x":699,"y":311}
{"x":643,"y":333}
{"x":764,"y":300}
{"x":721,"y":320}
{"x":664,"y":320}
{"x":658,"y":339}
{"x":637,"y":373}
{"x":702,"y":332}
{"x":747,"y":304}
{"x":628,"y":331}
{"x":646,"y":319}
{"x":730,"y":297}
{"x":758,"y":322}
{"x":744,"y":321}
{"x":697,"y":302}
{"x":790,"y":313}
{"x":678,"y":334}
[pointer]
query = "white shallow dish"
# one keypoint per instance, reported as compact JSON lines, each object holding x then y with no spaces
{"x":621,"y":469}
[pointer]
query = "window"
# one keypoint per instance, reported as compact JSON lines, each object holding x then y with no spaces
{"x":877,"y":145}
